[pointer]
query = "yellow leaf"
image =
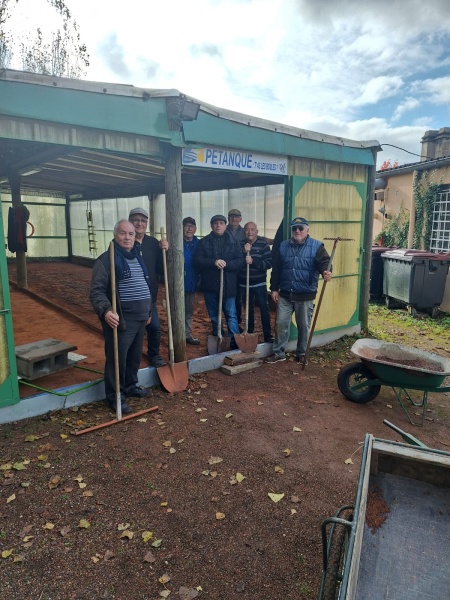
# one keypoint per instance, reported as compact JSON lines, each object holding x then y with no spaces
{"x":47,"y":465}
{"x":287,"y":452}
{"x":6,"y":553}
{"x":6,"y":467}
{"x":219,"y":400}
{"x":10,"y":499}
{"x":348,"y":461}
{"x":19,"y":558}
{"x":63,"y":436}
{"x":220,"y":516}
{"x":213,"y":474}
{"x":260,"y":403}
{"x":42,"y":457}
{"x":214,"y":460}
{"x":167,"y":444}
{"x":54,"y":482}
{"x":180,"y":441}
{"x":88,"y":494}
{"x":142,"y":420}
{"x":203,"y":420}
{"x":228,"y":415}
{"x":84,"y":524}
{"x":275,"y":497}
{"x":95,"y":559}
{"x":203,"y":385}
{"x":49,"y":526}
{"x":239,"y":477}
{"x":31,"y":438}
{"x":27,"y":538}
{"x":164,"y":503}
{"x":127,"y":534}
{"x":389,"y":405}
{"x":293,"y":511}
{"x":279,"y":469}
{"x":78,"y":478}
{"x":82,"y":485}
{"x":205,"y":472}
{"x":19,"y":466}
{"x":172,"y":450}
{"x":123,"y":526}
{"x":165,"y":593}
{"x":147,"y":535}
{"x":296,"y":429}
{"x":157,"y":543}
{"x":164,"y":578}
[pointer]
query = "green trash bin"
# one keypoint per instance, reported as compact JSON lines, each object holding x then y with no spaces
{"x":415,"y":278}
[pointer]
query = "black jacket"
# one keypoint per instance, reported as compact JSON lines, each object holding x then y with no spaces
{"x":152,"y":256}
{"x":210,"y":249}
{"x":100,"y":293}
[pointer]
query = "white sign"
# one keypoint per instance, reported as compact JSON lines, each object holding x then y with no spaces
{"x":234,"y":160}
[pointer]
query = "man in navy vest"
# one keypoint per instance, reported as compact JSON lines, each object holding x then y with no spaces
{"x":295,"y":277}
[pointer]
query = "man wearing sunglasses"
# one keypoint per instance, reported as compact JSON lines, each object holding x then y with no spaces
{"x":295,"y":276}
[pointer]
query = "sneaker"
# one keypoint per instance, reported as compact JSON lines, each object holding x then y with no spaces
{"x":193,"y":341}
{"x":156,"y":361}
{"x":301,"y":359}
{"x":126,"y":408}
{"x":138,"y":392}
{"x":275,"y":358}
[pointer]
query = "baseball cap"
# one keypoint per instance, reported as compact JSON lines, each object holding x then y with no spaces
{"x":191,"y":220}
{"x":138,"y":211}
{"x":299,"y":221}
{"x":218,"y":218}
{"x":234,"y":212}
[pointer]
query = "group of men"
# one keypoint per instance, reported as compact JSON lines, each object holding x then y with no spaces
{"x":221,"y":257}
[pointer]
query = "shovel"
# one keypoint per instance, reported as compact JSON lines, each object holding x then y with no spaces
{"x":174,"y":377}
{"x":115,"y":336}
{"x":246,"y":342}
{"x":217,"y":343}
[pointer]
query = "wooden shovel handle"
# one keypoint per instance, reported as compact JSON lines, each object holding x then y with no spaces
{"x":166,"y":286}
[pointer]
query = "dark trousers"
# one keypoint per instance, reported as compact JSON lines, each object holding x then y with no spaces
{"x":153,"y":333}
{"x":259,"y":296}
{"x":130,"y":353}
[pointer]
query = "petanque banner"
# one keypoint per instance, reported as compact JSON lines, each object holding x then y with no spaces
{"x":234,"y":160}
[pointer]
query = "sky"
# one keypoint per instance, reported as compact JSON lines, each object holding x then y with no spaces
{"x":357,"y":69}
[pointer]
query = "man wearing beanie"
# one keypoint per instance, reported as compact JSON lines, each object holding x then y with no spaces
{"x":215,"y":252}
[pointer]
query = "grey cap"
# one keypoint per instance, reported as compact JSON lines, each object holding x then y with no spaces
{"x":138,"y":211}
{"x":218,"y":218}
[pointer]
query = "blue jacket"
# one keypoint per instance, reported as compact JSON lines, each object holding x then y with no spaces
{"x":296,"y":268}
{"x":190,"y":272}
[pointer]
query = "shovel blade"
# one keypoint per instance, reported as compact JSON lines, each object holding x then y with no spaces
{"x":174,"y":377}
{"x":216,"y":345}
{"x":246,"y":342}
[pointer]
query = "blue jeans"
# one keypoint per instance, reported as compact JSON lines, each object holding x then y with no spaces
{"x":303,"y":310}
{"x":259,"y":296}
{"x":229,"y":310}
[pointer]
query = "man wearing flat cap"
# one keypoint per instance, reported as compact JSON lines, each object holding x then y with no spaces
{"x":295,"y":276}
{"x":234,"y":224}
{"x":151,"y":252}
{"x":190,"y":243}
{"x":215,"y":252}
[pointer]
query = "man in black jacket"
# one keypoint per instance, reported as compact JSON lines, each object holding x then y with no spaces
{"x":151,"y":251}
{"x":133,"y":313}
{"x":215,"y":252}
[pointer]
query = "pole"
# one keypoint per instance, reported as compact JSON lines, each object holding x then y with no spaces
{"x":115,"y":337}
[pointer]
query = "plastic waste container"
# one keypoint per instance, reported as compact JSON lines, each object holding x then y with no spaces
{"x":376,"y":272}
{"x":415,"y":278}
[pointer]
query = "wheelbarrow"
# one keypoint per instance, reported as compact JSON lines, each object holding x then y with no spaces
{"x":376,"y":548}
{"x":402,"y":368}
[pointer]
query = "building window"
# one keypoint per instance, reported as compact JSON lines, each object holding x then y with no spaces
{"x":440,"y":227}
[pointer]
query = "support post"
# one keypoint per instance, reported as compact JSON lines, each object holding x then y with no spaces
{"x":367,"y":249}
{"x":21,"y":257}
{"x":175,"y":256}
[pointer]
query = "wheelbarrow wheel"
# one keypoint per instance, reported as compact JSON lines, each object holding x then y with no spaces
{"x":337,"y":554}
{"x":354,"y":374}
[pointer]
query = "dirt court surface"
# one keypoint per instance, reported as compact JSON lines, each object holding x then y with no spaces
{"x":176,"y":504}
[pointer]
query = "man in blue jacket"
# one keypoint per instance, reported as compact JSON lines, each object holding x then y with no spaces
{"x":215,"y":252}
{"x":190,"y":243}
{"x":295,"y":276}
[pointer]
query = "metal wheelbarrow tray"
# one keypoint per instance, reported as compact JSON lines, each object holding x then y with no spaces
{"x":400,"y":367}
{"x":406,"y":556}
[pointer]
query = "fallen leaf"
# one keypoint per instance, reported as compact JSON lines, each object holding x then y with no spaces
{"x":167,"y":444}
{"x":390,"y":406}
{"x":123,"y":526}
{"x":82,"y":485}
{"x":348,"y":461}
{"x":25,"y":530}
{"x":49,"y":526}
{"x":127,"y":534}
{"x":149,"y":557}
{"x":147,"y":535}
{"x":203,"y":420}
{"x":95,"y":559}
{"x":295,"y":499}
{"x":214,"y":460}
{"x":25,"y":484}
{"x":19,"y":558}
{"x":64,"y":530}
{"x":164,"y":503}
{"x":220,"y":516}
{"x":172,"y":450}
{"x":54,"y":482}
{"x":260,"y":403}
{"x":10,"y":499}
{"x":84,"y":524}
{"x":165,"y":593}
{"x":293,"y":511}
{"x":31,"y":438}
{"x":228,"y":415}
{"x":188,"y":593}
{"x":78,"y":478}
{"x":6,"y":467}
{"x":239,"y":477}
{"x":275,"y":497}
{"x":142,"y":420}
{"x":219,"y":400}
{"x":279,"y":469}
{"x":287,"y":452}
{"x":42,"y":457}
{"x":108,"y":555}
{"x":6,"y":553}
{"x":296,"y":429}
{"x":157,"y":543}
{"x":63,"y":436}
{"x":88,"y":494}
{"x":164,"y":578}
{"x":19,"y":466}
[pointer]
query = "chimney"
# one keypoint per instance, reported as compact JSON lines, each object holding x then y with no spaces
{"x":435,"y":144}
